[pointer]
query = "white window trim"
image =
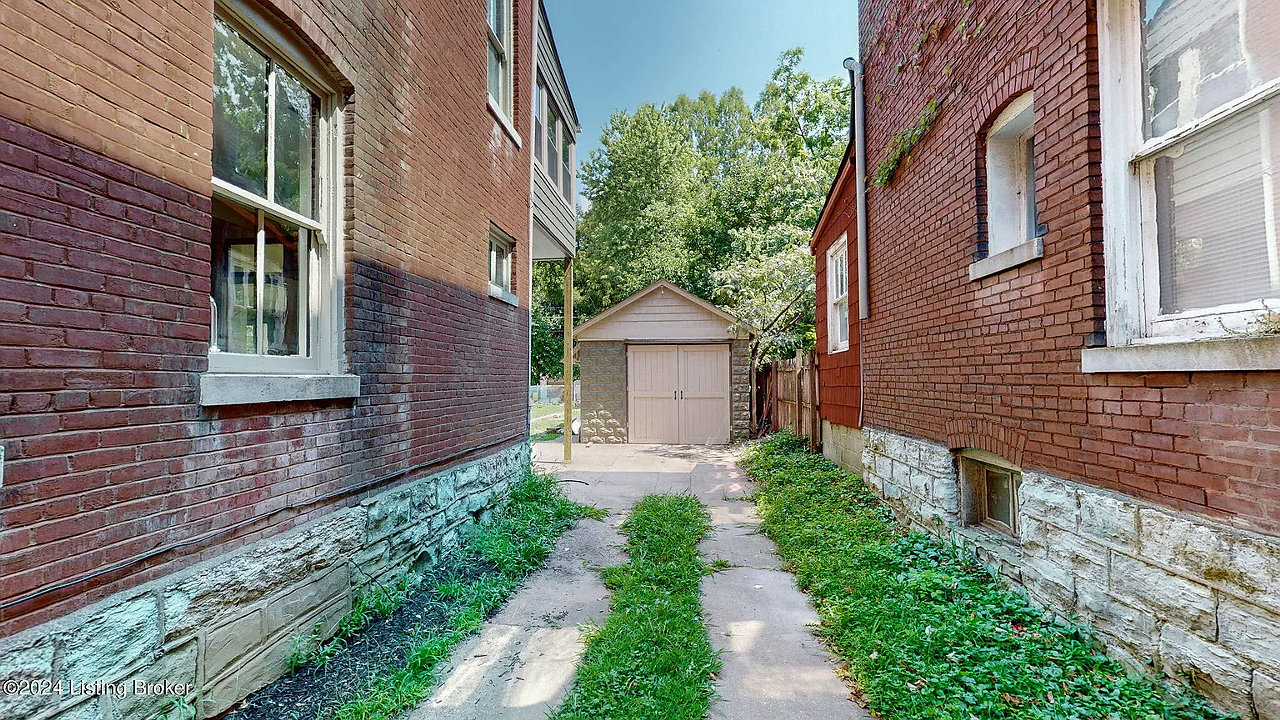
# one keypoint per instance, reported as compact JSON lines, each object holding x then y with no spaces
{"x":504,"y":107}
{"x":1129,"y":244}
{"x":547,"y":104}
{"x":505,"y":292}
{"x":259,"y":376}
{"x":839,"y":250}
{"x":1029,"y":246}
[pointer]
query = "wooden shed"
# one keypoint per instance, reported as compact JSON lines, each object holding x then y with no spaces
{"x":664,"y":366}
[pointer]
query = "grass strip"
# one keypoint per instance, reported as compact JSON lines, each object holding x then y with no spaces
{"x":494,"y":561}
{"x":928,"y":632}
{"x":652,"y":658}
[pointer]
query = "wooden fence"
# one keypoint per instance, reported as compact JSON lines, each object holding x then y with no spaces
{"x":790,"y":395}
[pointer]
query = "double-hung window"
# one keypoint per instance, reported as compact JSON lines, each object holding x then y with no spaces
{"x":1191,"y":143}
{"x":838,"y":296}
{"x":499,"y":16}
{"x":501,"y":251}
{"x":553,"y":142}
{"x":276,"y":184}
{"x":566,"y":163}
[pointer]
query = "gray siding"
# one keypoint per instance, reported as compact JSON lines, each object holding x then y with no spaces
{"x":550,"y":209}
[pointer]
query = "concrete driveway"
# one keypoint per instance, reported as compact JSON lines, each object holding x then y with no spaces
{"x":523,"y":661}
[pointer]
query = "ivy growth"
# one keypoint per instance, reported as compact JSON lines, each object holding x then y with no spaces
{"x":903,"y":142}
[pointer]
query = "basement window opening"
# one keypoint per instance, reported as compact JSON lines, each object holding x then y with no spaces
{"x":990,"y":491}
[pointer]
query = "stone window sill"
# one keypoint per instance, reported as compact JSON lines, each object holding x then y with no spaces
{"x":1011,"y":258}
{"x":236,"y":389}
{"x":504,"y":121}
{"x":1226,"y":355}
{"x":498,"y":292}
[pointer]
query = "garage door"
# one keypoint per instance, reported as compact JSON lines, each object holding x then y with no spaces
{"x":678,"y":394}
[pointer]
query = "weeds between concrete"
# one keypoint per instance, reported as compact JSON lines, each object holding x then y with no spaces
{"x":652,"y":658}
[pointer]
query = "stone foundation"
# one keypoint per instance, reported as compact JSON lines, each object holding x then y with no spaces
{"x":224,"y":625}
{"x":604,"y":391}
{"x":740,"y":391}
{"x":843,"y":445}
{"x":1199,"y":599}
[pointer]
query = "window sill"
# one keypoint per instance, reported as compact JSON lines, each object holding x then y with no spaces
{"x":237,"y":389}
{"x":499,"y":293}
{"x":1226,"y":355}
{"x":1011,"y":258}
{"x":504,"y":121}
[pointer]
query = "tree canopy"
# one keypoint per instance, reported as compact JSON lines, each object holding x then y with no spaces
{"x":716,"y":195}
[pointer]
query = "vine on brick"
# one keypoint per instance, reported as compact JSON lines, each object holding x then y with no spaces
{"x":903,"y":142}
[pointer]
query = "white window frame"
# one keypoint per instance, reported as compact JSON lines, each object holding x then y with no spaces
{"x":502,"y":107}
{"x":838,"y":258}
{"x":502,"y":256}
{"x":1128,"y":203}
{"x":1012,"y":235}
{"x":320,"y":269}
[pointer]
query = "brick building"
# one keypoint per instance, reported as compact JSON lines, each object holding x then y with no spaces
{"x":264,"y":322}
{"x":1061,"y":346}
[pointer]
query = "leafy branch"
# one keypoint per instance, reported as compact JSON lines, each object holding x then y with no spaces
{"x":904,"y":142}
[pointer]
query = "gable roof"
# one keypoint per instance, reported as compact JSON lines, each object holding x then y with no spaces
{"x":660,"y":285}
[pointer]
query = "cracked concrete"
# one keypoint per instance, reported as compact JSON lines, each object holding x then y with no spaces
{"x":524,"y":659}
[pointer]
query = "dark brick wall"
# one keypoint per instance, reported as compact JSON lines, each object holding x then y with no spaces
{"x":946,"y":357}
{"x":104,"y":281}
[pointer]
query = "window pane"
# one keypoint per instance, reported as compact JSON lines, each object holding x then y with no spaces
{"x":1000,"y":496}
{"x":552,"y":147}
{"x":1029,"y":160}
{"x":234,"y":281}
{"x":495,"y":76}
{"x":842,"y":323}
{"x":1201,"y":54}
{"x":566,"y":168}
{"x":538,"y":99}
{"x":239,"y":111}
{"x":497,"y":11}
{"x":297,"y":115}
{"x":1212,"y":211}
{"x":282,"y":301}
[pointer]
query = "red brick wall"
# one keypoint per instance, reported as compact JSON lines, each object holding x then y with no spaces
{"x":839,"y":377}
{"x":105,"y":151}
{"x":942,"y":351}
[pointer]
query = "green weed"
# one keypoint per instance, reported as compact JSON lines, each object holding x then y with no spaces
{"x":652,"y":658}
{"x":928,"y":632}
{"x":495,"y":559}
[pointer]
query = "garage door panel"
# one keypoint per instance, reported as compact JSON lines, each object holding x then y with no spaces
{"x":652,"y":394}
{"x":704,"y":394}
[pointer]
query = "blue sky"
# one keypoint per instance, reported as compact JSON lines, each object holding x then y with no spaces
{"x":619,"y":54}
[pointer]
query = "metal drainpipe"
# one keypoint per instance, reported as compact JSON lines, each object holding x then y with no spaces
{"x":860,"y":170}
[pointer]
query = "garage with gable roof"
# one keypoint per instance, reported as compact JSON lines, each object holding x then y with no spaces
{"x":664,"y":366}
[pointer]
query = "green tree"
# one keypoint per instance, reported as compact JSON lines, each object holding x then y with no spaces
{"x":719,"y":197}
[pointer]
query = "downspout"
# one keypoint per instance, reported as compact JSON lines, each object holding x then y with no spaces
{"x":859,"y":140}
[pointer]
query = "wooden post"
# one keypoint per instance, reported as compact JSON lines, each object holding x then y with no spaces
{"x":815,"y":439}
{"x":568,"y":360}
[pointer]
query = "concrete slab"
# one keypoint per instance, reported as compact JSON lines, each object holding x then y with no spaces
{"x":524,"y":659}
{"x":757,"y":618}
